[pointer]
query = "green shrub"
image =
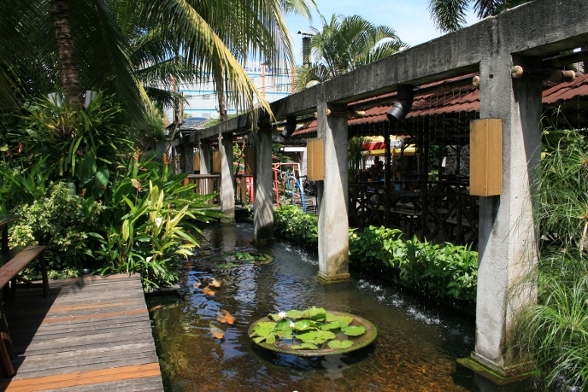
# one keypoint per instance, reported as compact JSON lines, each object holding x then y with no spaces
{"x":445,"y":271}
{"x":62,"y":221}
{"x":292,"y":223}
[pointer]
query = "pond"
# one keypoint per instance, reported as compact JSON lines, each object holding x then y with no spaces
{"x":415,"y":350}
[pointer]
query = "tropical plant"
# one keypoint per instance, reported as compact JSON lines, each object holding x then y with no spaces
{"x":563,"y":190}
{"x":133,"y":42}
{"x":554,"y":332}
{"x":148,"y":230}
{"x":79,"y":146}
{"x":22,"y":181}
{"x":344,"y":44}
{"x":450,"y":15}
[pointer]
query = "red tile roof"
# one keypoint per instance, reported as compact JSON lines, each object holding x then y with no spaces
{"x":459,"y":100}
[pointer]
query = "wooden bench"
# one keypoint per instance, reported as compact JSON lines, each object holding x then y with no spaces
{"x":15,"y":260}
{"x":11,"y":264}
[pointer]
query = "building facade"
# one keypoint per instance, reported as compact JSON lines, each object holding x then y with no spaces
{"x":202,"y":101}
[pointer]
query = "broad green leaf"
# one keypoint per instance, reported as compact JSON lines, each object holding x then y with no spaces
{"x":294,"y":314}
{"x":343,"y":320}
{"x":331,"y":326}
{"x":353,"y":330}
{"x":315,"y":313}
{"x":263,"y":328}
{"x":304,"y":346}
{"x":340,"y":343}
{"x":302,"y":325}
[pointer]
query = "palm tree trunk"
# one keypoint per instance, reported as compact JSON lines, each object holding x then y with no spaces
{"x":68,"y":66}
{"x":222,"y":101}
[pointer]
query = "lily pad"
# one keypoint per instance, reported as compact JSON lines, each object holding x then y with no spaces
{"x":330,"y":333}
{"x":304,"y":346}
{"x":356,"y":330}
{"x":335,"y":344}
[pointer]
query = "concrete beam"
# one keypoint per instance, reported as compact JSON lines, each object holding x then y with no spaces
{"x":540,"y":29}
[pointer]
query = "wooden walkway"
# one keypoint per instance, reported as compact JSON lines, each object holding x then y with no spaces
{"x":91,"y":334}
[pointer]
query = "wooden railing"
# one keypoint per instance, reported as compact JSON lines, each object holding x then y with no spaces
{"x":245,"y":190}
{"x":445,"y":213}
{"x":206,"y":184}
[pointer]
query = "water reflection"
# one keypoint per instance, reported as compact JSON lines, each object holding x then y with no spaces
{"x":415,"y":350}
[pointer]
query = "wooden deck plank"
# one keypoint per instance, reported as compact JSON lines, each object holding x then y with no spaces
{"x":90,"y":335}
{"x":83,"y":378}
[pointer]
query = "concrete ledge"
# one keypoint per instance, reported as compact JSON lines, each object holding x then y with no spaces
{"x":493,"y":376}
{"x":333,"y":278}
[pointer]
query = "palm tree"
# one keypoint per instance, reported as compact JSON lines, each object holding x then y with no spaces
{"x":450,"y":15}
{"x":344,"y":44}
{"x":185,"y":38}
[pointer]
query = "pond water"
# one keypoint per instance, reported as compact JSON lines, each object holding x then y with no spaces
{"x":415,"y":350}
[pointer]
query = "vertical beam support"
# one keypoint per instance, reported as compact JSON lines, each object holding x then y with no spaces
{"x":188,"y":155}
{"x":333,"y":223}
{"x":263,"y":211}
{"x":508,"y":242}
{"x":227,"y":190}
{"x":205,"y":167}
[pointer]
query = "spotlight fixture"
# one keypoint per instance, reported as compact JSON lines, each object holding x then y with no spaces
{"x":405,"y":96}
{"x":290,"y":127}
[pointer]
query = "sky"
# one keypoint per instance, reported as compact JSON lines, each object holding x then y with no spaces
{"x":409,"y":18}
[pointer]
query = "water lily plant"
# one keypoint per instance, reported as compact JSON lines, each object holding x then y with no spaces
{"x":310,"y":329}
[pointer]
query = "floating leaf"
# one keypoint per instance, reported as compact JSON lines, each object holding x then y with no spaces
{"x":316,"y":336}
{"x":284,"y":325}
{"x":284,"y":334}
{"x":270,"y":339}
{"x":353,"y":330}
{"x":343,"y":320}
{"x":263,"y":329}
{"x":331,"y":326}
{"x":340,"y":344}
{"x":315,"y":313}
{"x":302,"y":325}
{"x":294,"y":314}
{"x":304,"y":346}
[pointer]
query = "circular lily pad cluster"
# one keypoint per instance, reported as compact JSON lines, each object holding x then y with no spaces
{"x":313,"y":329}
{"x":237,"y":259}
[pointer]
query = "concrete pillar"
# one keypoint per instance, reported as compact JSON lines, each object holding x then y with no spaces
{"x":227,"y":190}
{"x":205,"y":167}
{"x":263,"y":206}
{"x":507,"y":237}
{"x":333,"y":225}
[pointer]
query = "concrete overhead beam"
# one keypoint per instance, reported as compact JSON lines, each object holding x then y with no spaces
{"x":539,"y":29}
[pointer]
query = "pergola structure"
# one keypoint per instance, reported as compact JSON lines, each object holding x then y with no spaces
{"x":426,"y":186}
{"x":526,"y":36}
